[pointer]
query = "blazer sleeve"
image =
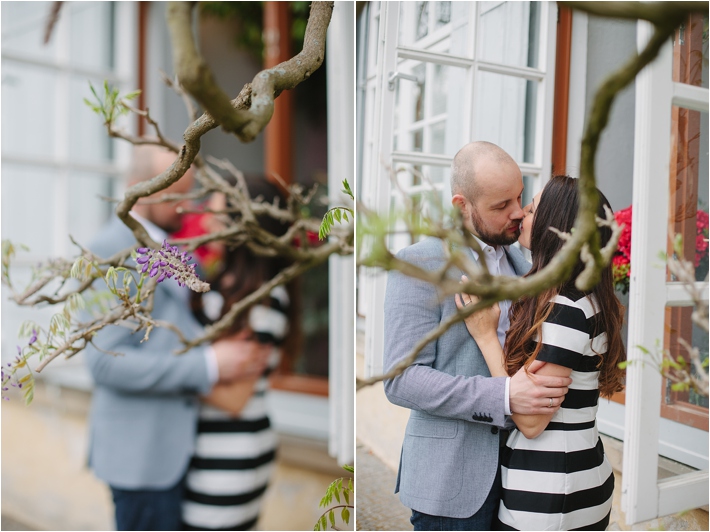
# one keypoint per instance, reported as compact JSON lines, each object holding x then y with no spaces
{"x":411,"y":311}
{"x":138,"y":370}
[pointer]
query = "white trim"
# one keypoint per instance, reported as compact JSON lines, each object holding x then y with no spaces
{"x":341,"y":285}
{"x":691,"y":97}
{"x":678,"y":296}
{"x":643,"y":496}
{"x":412,"y":157}
{"x":646,"y":315}
{"x":577,"y":92}
{"x":686,"y":491}
{"x":299,"y":414}
{"x":680,"y":442}
{"x":64,"y":67}
{"x":376,"y":281}
{"x":546,"y":97}
{"x":63,"y":163}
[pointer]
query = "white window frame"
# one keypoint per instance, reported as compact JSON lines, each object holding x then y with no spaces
{"x":341,"y":285}
{"x":644,"y":496}
{"x":71,"y":373}
{"x":379,"y":154}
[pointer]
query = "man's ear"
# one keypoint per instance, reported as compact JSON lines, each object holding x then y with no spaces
{"x":459,"y":202}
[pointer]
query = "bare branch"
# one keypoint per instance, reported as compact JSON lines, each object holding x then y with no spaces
{"x":197,"y":79}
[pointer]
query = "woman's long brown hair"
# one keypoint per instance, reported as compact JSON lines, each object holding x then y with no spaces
{"x":558,"y":207}
{"x":243,"y":271}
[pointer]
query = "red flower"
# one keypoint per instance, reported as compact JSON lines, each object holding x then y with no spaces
{"x":192,"y":226}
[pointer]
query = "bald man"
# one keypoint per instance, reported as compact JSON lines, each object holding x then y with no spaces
{"x":145,"y":402}
{"x":449,"y":474}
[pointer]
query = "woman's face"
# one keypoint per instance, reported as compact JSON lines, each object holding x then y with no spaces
{"x":526,"y":224}
{"x":211,"y":224}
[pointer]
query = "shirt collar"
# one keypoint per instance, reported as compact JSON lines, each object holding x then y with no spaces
{"x":499,"y":251}
{"x":154,"y":232}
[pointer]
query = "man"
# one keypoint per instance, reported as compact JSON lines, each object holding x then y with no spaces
{"x":449,"y":474}
{"x":145,"y":402}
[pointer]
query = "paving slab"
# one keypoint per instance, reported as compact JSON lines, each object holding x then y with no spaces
{"x":377,"y":507}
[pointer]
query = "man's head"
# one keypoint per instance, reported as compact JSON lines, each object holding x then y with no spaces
{"x":487,"y":187}
{"x":148,"y":162}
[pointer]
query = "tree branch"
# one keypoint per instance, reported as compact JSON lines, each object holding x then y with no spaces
{"x":197,"y":78}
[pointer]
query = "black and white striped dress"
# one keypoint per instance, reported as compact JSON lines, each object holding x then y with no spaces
{"x":561,"y":480}
{"x":233,"y":462}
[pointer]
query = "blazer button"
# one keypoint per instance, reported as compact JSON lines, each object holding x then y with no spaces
{"x":494,"y":430}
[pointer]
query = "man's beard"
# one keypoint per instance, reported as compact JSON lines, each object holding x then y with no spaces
{"x":494,"y":239}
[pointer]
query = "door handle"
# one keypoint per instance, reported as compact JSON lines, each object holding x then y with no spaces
{"x":393,"y":76}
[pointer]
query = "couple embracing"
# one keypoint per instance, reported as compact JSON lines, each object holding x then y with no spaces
{"x":502,"y":432}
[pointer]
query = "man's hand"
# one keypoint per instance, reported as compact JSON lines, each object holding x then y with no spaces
{"x":530,"y":394}
{"x":240,"y":358}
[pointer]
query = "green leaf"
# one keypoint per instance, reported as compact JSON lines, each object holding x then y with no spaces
{"x":132,"y":95}
{"x":346,"y":496}
{"x":323,"y":523}
{"x":337,"y":495}
{"x":331,"y":518}
{"x":643,"y":350}
{"x":345,"y":514}
{"x":337,"y":215}
{"x":349,"y":468}
{"x":75,"y":271}
{"x":347,"y":190}
{"x":29,"y":395}
{"x":623,"y":365}
{"x":679,"y":387}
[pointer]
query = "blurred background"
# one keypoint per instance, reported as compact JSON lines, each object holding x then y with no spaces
{"x":58,"y":163}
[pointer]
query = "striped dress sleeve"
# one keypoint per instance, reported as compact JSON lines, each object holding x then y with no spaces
{"x":565,"y":335}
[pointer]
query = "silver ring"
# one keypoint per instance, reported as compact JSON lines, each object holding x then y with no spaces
{"x":550,"y":405}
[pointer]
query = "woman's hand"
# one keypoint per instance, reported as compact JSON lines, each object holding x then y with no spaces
{"x":483,"y":323}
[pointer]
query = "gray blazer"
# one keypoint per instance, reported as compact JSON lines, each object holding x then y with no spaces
{"x":144,"y":407}
{"x":450,"y":452}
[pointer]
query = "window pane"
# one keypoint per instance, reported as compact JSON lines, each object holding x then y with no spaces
{"x":442,"y":11}
{"x":28,"y":217}
{"x":680,"y":327}
{"x":423,"y":23}
{"x":510,"y":33}
{"x":88,"y":212}
{"x":690,"y":52}
{"x":27,"y":93}
{"x":688,"y":208}
{"x":92,"y":47}
{"x":419,"y":192}
{"x":430,"y":102}
{"x":23,"y":25}
{"x":88,"y":139}
{"x":506,"y":114}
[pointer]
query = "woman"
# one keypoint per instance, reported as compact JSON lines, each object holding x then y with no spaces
{"x":235,"y":446}
{"x":554,"y":473}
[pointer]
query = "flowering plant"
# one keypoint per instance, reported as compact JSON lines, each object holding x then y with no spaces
{"x":621,"y":263}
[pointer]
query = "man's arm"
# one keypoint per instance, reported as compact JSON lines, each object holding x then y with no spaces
{"x":411,"y":311}
{"x":137,"y":370}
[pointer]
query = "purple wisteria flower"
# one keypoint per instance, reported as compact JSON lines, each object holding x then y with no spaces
{"x":169,"y":262}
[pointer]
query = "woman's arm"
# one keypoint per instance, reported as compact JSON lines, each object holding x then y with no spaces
{"x":232,"y":396}
{"x":483,"y":327}
{"x":533,"y":425}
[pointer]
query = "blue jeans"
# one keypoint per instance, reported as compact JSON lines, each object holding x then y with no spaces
{"x":481,"y":520}
{"x":159,"y":509}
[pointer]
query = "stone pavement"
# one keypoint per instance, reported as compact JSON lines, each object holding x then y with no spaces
{"x":378,"y":508}
{"x":8,"y":523}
